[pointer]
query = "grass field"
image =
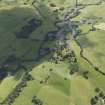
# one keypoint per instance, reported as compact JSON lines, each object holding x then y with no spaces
{"x":51,"y":81}
{"x":93,"y":42}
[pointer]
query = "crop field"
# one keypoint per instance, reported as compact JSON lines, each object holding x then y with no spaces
{"x":52,"y":52}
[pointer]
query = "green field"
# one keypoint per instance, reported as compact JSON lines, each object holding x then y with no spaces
{"x":63,"y":76}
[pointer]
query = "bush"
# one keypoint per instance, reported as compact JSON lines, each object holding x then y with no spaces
{"x":97,"y":90}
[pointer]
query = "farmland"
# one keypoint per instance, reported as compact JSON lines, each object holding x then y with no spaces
{"x":52,"y":52}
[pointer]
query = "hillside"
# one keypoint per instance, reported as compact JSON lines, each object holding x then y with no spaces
{"x":52,"y":52}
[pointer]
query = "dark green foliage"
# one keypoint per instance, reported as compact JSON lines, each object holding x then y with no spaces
{"x":93,"y":101}
{"x":97,"y":90}
{"x":36,"y":101}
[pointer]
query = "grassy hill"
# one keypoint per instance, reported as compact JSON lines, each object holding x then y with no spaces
{"x":41,"y":63}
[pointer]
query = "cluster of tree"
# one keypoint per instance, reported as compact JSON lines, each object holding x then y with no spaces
{"x":74,"y":68}
{"x":72,"y":57}
{"x":18,"y":89}
{"x":28,"y":77}
{"x":63,"y":53}
{"x":36,"y":101}
{"x":99,"y":97}
{"x":85,"y":74}
{"x":11,"y":98}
